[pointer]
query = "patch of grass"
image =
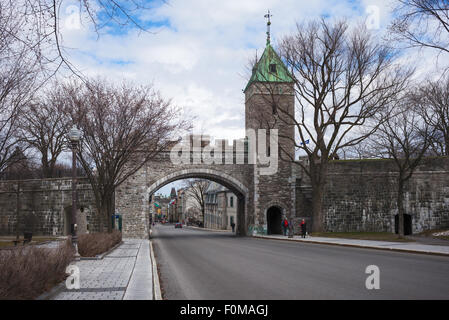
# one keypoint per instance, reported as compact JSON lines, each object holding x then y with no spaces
{"x":429,"y":233}
{"x":36,"y":238}
{"x":6,"y":242}
{"x":378,"y":236}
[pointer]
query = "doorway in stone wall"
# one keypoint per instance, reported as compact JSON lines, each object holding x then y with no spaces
{"x":407,"y":224}
{"x":274,"y":219}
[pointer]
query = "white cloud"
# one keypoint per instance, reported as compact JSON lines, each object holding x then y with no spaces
{"x":200,"y":58}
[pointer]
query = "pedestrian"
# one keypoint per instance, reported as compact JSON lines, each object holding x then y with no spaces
{"x":285,"y":226}
{"x":233,"y":226}
{"x":303,"y":228}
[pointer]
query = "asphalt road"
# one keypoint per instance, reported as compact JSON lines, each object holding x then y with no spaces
{"x":197,"y":264}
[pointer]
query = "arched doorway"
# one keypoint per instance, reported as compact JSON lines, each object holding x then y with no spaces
{"x":407,"y":224}
{"x":234,"y":185}
{"x":274,"y":219}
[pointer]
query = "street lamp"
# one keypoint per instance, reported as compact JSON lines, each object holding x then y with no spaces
{"x":74,"y":137}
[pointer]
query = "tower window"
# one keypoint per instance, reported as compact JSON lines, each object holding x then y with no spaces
{"x":272,"y":68}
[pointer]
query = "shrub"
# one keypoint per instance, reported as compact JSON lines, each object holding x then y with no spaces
{"x":28,"y":271}
{"x":90,"y":245}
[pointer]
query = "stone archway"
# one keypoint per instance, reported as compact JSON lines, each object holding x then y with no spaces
{"x":274,"y":219}
{"x":222,"y":178}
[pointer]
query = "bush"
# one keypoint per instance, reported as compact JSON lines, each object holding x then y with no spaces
{"x":90,"y":245}
{"x":28,"y":271}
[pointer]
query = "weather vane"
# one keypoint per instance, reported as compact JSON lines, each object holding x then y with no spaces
{"x":267,"y":16}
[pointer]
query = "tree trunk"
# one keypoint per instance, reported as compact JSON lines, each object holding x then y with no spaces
{"x":400,"y":203}
{"x":318,"y":172}
{"x":45,"y":167}
{"x":104,"y":214}
{"x":204,"y":217}
{"x":101,"y":215}
{"x":110,"y":213}
{"x":446,"y":146}
{"x":317,"y":205}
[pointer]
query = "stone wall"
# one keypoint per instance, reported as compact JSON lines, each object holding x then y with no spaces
{"x":45,"y":206}
{"x":361,"y":196}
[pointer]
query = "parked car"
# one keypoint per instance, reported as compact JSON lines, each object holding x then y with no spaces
{"x":178,"y":225}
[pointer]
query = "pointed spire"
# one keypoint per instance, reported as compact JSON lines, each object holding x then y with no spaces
{"x":267,"y":16}
{"x":173,"y":193}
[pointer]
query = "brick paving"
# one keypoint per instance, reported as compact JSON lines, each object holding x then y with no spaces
{"x":110,"y":277}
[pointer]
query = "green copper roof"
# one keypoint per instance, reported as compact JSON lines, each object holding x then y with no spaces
{"x":262,"y":72}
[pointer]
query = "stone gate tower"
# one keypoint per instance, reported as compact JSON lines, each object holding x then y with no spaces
{"x":269,"y":102}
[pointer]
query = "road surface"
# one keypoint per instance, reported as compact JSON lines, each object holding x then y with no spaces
{"x":198,"y":264}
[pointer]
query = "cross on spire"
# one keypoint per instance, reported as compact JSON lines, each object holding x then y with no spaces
{"x":267,"y":16}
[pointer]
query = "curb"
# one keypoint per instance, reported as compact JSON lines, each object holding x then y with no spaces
{"x":157,"y":295}
{"x":359,"y":246}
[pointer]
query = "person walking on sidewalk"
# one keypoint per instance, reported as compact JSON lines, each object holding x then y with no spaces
{"x":233,"y":226}
{"x":303,"y":228}
{"x":285,"y":226}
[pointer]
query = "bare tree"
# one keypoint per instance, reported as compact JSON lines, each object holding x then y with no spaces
{"x":123,"y":128}
{"x":43,"y":125}
{"x":432,"y":99}
{"x":40,"y":24}
{"x":422,"y":23}
{"x":342,"y":78}
{"x":196,"y":188}
{"x":405,"y":138}
{"x":17,"y":83}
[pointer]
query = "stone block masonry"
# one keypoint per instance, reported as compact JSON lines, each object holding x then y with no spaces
{"x":44,"y":206}
{"x":361,"y":196}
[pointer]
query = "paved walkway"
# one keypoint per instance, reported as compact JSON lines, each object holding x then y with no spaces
{"x":385,"y":245}
{"x":125,"y":273}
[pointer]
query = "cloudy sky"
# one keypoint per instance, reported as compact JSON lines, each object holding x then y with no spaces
{"x":196,"y":51}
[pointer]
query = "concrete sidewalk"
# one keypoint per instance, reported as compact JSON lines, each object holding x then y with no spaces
{"x":123,"y":274}
{"x":380,"y":245}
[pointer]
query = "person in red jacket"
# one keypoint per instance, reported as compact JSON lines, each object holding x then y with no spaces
{"x":285,"y":226}
{"x":303,"y":228}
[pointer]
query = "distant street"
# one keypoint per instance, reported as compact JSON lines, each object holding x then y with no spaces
{"x":197,"y":264}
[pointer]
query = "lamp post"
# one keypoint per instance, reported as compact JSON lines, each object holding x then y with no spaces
{"x":74,"y":137}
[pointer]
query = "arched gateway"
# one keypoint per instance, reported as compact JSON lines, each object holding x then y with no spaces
{"x":255,"y":189}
